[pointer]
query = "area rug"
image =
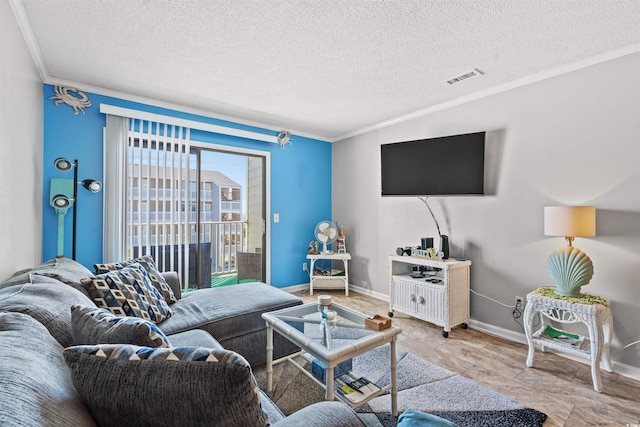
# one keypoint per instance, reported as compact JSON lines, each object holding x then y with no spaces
{"x":422,"y":386}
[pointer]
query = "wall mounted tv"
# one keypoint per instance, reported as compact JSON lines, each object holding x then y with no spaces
{"x":444,"y":166}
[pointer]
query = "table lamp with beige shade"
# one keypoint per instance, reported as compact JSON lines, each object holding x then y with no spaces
{"x":568,"y":266}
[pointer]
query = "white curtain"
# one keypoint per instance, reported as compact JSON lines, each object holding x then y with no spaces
{"x":116,"y":138}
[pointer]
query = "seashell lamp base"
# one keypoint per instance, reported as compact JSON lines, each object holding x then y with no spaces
{"x":570,"y":269}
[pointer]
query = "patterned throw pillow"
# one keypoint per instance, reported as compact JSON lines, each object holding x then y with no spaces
{"x":128,"y":292}
{"x":127,"y":385}
{"x":92,"y":325}
{"x":152,"y":270}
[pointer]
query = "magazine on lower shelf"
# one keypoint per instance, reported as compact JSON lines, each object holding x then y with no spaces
{"x":354,"y":392}
{"x":563,"y":337}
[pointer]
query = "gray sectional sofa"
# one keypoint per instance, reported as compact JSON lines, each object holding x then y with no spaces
{"x":44,"y":382}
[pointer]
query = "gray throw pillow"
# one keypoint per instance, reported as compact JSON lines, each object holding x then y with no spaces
{"x":62,"y":269}
{"x":127,"y":385}
{"x":48,"y":302}
{"x":128,"y":292}
{"x":152,"y":270}
{"x":35,"y":382}
{"x":92,"y":325}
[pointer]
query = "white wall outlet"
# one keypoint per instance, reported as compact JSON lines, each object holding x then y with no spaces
{"x":304,"y":266}
{"x":519,"y":302}
{"x":276,"y":217}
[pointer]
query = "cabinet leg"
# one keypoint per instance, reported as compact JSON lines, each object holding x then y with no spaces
{"x":596,"y":336}
{"x":346,"y":277}
{"x":528,"y":317}
{"x":607,"y":333}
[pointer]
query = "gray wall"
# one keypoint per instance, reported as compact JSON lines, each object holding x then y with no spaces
{"x":21,"y":150}
{"x":570,"y":139}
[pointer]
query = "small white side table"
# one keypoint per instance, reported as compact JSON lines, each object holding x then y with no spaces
{"x":327,"y":281}
{"x":591,"y":310}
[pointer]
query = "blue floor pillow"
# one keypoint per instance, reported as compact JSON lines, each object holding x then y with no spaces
{"x":411,"y":418}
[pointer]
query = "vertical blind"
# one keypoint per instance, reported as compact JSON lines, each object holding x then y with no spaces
{"x":158,"y":179}
{"x":156,"y":201}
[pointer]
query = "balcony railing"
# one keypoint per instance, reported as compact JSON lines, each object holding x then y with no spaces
{"x":166,"y":217}
{"x":223,"y":239}
{"x":232,"y":206}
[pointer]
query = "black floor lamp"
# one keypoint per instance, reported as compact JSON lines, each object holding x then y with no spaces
{"x":92,"y":185}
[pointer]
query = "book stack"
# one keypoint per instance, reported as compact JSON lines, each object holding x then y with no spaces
{"x":356,"y":391}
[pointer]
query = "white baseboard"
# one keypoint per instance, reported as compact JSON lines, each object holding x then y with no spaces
{"x":619,"y":368}
{"x":364,"y":291}
{"x":296,"y":288}
{"x":369,"y":292}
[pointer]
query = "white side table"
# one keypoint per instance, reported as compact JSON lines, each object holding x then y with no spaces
{"x":591,"y":310}
{"x":322,"y":281}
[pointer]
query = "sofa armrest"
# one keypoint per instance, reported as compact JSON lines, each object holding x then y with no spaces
{"x":173,"y":280}
{"x":323,"y":414}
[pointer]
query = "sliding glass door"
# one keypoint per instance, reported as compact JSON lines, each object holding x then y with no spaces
{"x":196,"y":210}
{"x":231,"y":214}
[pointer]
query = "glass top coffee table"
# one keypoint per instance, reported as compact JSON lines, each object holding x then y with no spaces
{"x":348,"y":337}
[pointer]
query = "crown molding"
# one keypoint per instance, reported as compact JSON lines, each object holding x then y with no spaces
{"x":27,"y":32}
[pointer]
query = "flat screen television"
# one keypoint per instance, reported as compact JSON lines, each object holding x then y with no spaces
{"x":445,"y":166}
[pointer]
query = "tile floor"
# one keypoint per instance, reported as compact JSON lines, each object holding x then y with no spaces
{"x":559,"y":387}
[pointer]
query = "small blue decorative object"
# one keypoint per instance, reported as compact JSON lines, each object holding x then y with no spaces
{"x":412,"y":418}
{"x":318,"y":369}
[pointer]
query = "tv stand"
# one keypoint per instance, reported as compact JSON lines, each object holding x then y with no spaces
{"x":444,"y":303}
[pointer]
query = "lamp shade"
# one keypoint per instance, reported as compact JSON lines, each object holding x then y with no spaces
{"x":570,"y":221}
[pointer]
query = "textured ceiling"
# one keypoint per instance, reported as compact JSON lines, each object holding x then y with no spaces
{"x":326,"y":68}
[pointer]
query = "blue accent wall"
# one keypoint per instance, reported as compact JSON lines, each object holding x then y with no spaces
{"x":300,"y":182}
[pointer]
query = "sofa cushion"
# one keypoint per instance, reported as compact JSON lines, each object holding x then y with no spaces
{"x":48,"y":301}
{"x":93,"y":325}
{"x":225,"y":311}
{"x":128,"y":292}
{"x":186,"y":386}
{"x":233,"y":315}
{"x":152,"y":270}
{"x":323,"y":414}
{"x":36,"y":389}
{"x":194,"y":338}
{"x":64,"y":270}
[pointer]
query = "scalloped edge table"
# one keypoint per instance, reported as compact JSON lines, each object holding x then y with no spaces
{"x":596,"y":316}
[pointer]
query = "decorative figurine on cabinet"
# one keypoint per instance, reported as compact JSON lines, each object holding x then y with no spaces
{"x":342,"y":248}
{"x":313,"y":248}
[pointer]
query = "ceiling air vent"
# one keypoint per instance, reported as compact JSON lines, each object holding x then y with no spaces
{"x":464,"y":76}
